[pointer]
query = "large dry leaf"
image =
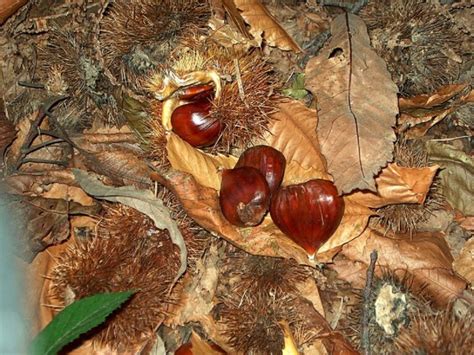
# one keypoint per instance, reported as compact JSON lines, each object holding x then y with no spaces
{"x":426,"y":258}
{"x":398,"y":184}
{"x":141,"y":200}
{"x":357,"y":102}
{"x":464,"y":263}
{"x":293,"y":132}
{"x":263,"y":23}
{"x":202,"y":204}
{"x":457,"y":175}
{"x":353,"y":223}
{"x":204,"y":167}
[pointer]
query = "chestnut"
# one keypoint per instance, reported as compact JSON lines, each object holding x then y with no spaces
{"x":244,"y":196}
{"x":308,"y":213}
{"x":268,"y":160}
{"x":196,"y":92}
{"x":193,"y":124}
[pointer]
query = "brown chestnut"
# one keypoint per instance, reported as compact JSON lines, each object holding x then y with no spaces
{"x":244,"y":196}
{"x":268,"y":160}
{"x":193,"y":124}
{"x":196,"y":92}
{"x":308,"y":213}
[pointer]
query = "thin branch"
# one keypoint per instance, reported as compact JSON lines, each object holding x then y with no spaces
{"x":365,"y":337}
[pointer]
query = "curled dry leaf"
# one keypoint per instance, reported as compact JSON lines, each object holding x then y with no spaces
{"x":227,"y":37}
{"x":431,"y":109}
{"x":398,"y":184}
{"x":437,"y":98}
{"x":464,"y":263}
{"x":202,"y":204}
{"x":263,"y":23}
{"x":426,"y":258}
{"x":357,"y":103}
{"x":293,"y":132}
{"x":204,"y":167}
{"x":198,"y":194}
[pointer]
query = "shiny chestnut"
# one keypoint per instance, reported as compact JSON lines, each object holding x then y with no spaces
{"x":268,"y":160}
{"x":308,"y":213}
{"x":193,"y":124}
{"x":197,"y":92}
{"x":244,"y":196}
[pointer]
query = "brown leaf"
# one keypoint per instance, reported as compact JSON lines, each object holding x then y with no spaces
{"x":228,"y":37}
{"x":398,"y":184}
{"x":464,"y":263}
{"x":204,"y":167}
{"x":426,"y":258}
{"x":202,"y":204}
{"x":201,"y":347}
{"x":293,"y":132}
{"x":263,"y":23}
{"x":353,"y":224}
{"x":357,"y":102}
{"x":415,"y":121}
{"x":437,"y":98}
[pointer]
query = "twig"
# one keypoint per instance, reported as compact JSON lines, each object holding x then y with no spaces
{"x":27,"y":84}
{"x":449,"y":139}
{"x":239,"y":80}
{"x":365,"y":337}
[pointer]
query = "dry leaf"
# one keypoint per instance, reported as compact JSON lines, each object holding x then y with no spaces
{"x":228,"y":37}
{"x":296,"y":174}
{"x":464,"y":263}
{"x":7,"y":134}
{"x":426,"y":258}
{"x":357,"y":102}
{"x":204,"y":167}
{"x":293,"y":132}
{"x":199,"y":346}
{"x":202,"y":204}
{"x":261,"y":22}
{"x":353,"y":224}
{"x":457,"y":175}
{"x":437,"y":98}
{"x":68,"y":193}
{"x":398,"y":184}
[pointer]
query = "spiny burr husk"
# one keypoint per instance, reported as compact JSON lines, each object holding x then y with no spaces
{"x":252,"y":322}
{"x":243,"y":104}
{"x":391,"y":306}
{"x":128,"y":253}
{"x":136,"y":36}
{"x":268,"y":276}
{"x":196,"y":238}
{"x":68,"y":65}
{"x":440,"y":333}
{"x":419,"y":42}
{"x":406,"y":217}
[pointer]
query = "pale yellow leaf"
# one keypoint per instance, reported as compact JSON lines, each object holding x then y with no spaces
{"x":204,"y":167}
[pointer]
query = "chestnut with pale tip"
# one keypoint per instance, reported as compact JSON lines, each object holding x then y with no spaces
{"x":244,"y":196}
{"x":308,"y":213}
{"x":268,"y":160}
{"x":193,"y":124}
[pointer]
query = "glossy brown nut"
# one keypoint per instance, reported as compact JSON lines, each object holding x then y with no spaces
{"x":308,"y":213}
{"x":197,"y":92}
{"x":268,"y":160}
{"x":244,"y":196}
{"x":192,"y":123}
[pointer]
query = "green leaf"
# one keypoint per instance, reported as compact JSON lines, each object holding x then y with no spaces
{"x":76,"y":319}
{"x":297,"y":90}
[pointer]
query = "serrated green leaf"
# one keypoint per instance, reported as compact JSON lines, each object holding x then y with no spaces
{"x":76,"y":319}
